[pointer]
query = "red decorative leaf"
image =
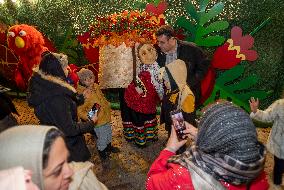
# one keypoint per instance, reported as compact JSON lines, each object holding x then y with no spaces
{"x":207,"y":84}
{"x":236,"y":33}
{"x":224,"y":58}
{"x":251,"y":55}
{"x":245,"y":42}
{"x":160,"y":9}
{"x":49,"y":44}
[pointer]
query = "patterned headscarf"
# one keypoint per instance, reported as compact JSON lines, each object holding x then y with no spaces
{"x":226,"y":146}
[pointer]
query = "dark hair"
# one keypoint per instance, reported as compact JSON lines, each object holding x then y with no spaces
{"x":165,"y":30}
{"x":50,"y":137}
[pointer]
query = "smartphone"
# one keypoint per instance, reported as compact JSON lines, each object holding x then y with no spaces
{"x":96,"y":107}
{"x":178,"y":123}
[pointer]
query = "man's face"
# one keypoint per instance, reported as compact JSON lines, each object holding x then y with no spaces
{"x":167,"y":44}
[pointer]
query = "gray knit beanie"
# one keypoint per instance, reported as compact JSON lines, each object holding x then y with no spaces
{"x":227,"y":129}
{"x":83,"y":74}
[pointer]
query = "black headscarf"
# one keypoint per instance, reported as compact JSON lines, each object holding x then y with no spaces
{"x":51,"y":65}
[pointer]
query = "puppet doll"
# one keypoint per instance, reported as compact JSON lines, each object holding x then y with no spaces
{"x":141,"y":98}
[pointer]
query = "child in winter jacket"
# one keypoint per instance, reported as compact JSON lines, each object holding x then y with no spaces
{"x":93,"y":96}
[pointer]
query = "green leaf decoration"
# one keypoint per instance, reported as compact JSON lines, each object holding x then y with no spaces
{"x":233,"y":73}
{"x":182,"y":21}
{"x":244,"y":84}
{"x":214,"y":11}
{"x":140,"y":5}
{"x":232,"y":86}
{"x":203,"y":5}
{"x":192,"y":11}
{"x":71,"y":60}
{"x":198,"y":28}
{"x":260,"y":94}
{"x":215,"y":26}
{"x":156,"y":2}
{"x":70,"y":47}
{"x":71,"y":53}
{"x":210,"y":41}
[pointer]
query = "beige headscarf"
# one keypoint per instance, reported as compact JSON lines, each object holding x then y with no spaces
{"x":23,"y":146}
{"x":178,"y":71}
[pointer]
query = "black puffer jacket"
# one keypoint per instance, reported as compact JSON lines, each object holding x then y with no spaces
{"x":54,"y":103}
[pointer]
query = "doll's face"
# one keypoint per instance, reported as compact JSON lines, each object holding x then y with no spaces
{"x":147,"y":54}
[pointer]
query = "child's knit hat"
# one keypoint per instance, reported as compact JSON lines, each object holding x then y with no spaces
{"x":83,"y":74}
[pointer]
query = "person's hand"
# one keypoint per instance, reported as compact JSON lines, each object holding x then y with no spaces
{"x":253,"y":104}
{"x":95,"y":117}
{"x":173,"y":143}
{"x":87,"y":93}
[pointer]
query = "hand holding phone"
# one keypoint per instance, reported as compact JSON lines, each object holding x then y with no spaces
{"x":96,"y":107}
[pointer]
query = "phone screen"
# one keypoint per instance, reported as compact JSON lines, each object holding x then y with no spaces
{"x":178,"y":123}
{"x":93,"y":111}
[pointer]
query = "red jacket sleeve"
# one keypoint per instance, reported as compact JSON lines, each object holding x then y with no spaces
{"x":164,"y":176}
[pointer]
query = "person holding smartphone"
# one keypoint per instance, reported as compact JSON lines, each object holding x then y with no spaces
{"x":96,"y":103}
{"x":225,"y":154}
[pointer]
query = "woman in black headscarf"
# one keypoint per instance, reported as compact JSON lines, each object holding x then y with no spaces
{"x":55,"y":103}
{"x":225,"y":155}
